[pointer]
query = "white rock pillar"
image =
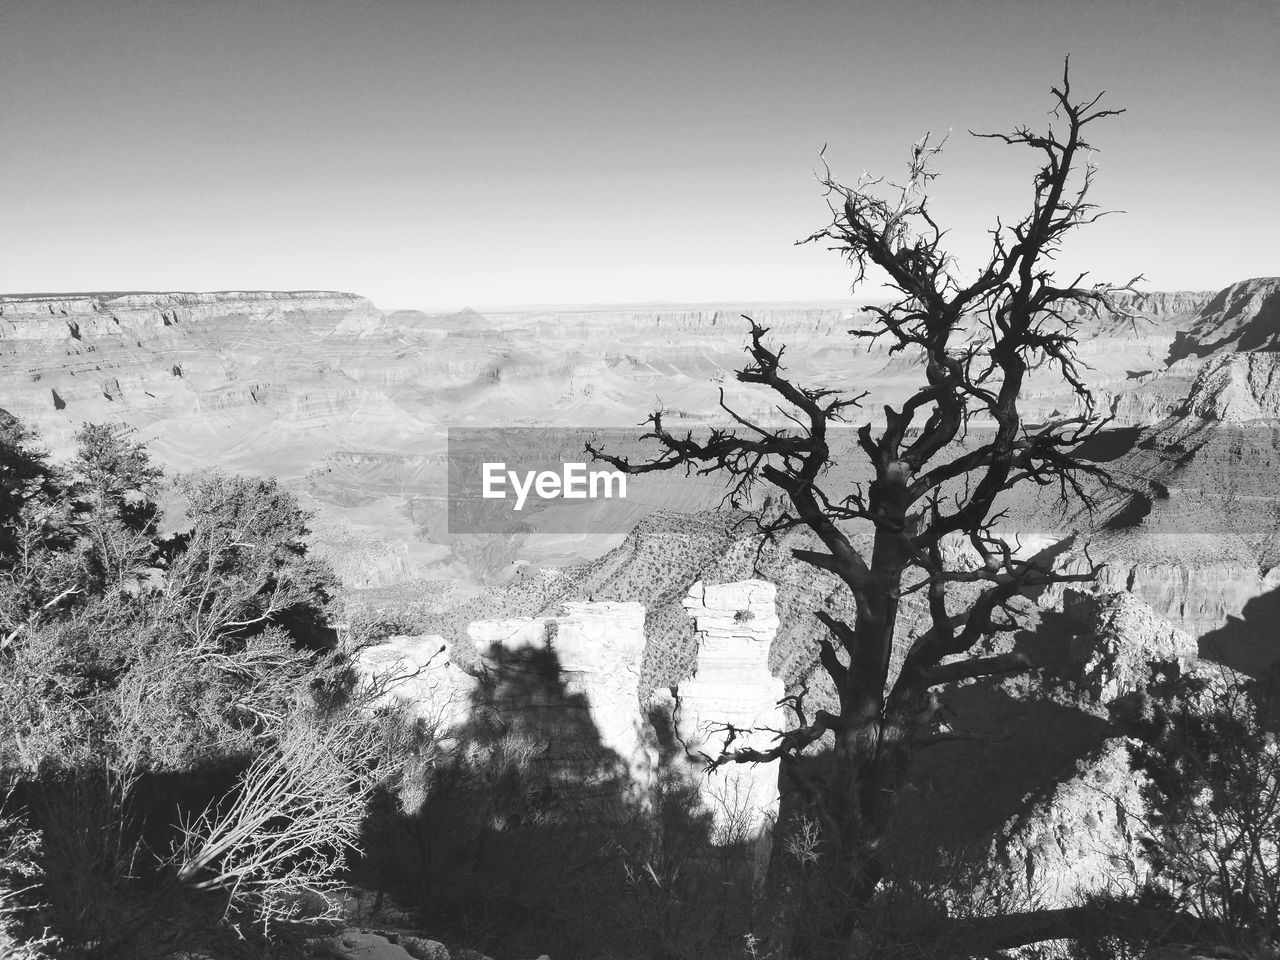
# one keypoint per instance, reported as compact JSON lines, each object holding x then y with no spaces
{"x":599,"y":647}
{"x":732,"y":686}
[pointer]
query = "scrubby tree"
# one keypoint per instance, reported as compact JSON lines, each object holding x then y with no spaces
{"x":26,"y":477}
{"x":113,"y":474}
{"x":243,"y":564}
{"x":1208,"y":750}
{"x":139,"y":672}
{"x":39,"y":525}
{"x":934,"y":480}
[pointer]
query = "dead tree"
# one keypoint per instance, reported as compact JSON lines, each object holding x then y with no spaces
{"x":977,"y":341}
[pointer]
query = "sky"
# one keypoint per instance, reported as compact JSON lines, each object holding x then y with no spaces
{"x":439,"y":153}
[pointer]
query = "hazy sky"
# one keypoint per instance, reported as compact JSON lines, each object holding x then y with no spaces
{"x":436,"y":154}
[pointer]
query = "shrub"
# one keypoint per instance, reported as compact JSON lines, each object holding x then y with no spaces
{"x":193,"y":764}
{"x":1209,"y":751}
{"x":275,"y":847}
{"x":19,"y":873}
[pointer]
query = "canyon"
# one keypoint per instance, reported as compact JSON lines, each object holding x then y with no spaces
{"x":649,"y":645}
{"x":350,"y":407}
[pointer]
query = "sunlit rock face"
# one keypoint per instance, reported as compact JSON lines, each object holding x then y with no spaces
{"x":1123,"y":637}
{"x":1220,"y":367}
{"x":1236,"y":388}
{"x":1242,"y":317}
{"x":417,"y":672}
{"x":731,"y":702}
{"x":1081,"y":838}
{"x":1230,"y":389}
{"x":570,"y":684}
{"x":566,"y":686}
{"x":598,"y":647}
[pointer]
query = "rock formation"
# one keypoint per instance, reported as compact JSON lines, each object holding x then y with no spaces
{"x":417,"y":671}
{"x":598,"y":647}
{"x":567,"y":683}
{"x":1122,"y":638}
{"x":731,"y":702}
{"x":570,"y":683}
{"x":1081,"y":838}
{"x":1236,"y":388}
{"x":1242,"y":317}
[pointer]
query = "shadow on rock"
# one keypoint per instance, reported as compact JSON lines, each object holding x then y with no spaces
{"x":532,"y":836}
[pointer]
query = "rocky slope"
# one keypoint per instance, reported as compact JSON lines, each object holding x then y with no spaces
{"x":1078,"y":835}
{"x":1203,"y":374}
{"x":1242,"y":317}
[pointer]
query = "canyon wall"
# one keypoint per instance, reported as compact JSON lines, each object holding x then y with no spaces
{"x":349,"y":408}
{"x":110,"y":355}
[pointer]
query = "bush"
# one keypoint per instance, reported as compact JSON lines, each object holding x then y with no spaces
{"x":277,"y":845}
{"x":194,"y":760}
{"x":1209,"y":751}
{"x":19,"y":873}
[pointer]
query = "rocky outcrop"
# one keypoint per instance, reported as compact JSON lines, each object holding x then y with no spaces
{"x":1242,"y":317}
{"x":1081,"y":836}
{"x":1150,"y":397}
{"x":731,"y":703}
{"x":567,"y":684}
{"x":1228,"y":388}
{"x":570,"y":684}
{"x":1235,"y":388}
{"x":418,"y":672}
{"x":1121,"y":639}
{"x":1078,"y":840}
{"x":598,"y":647}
